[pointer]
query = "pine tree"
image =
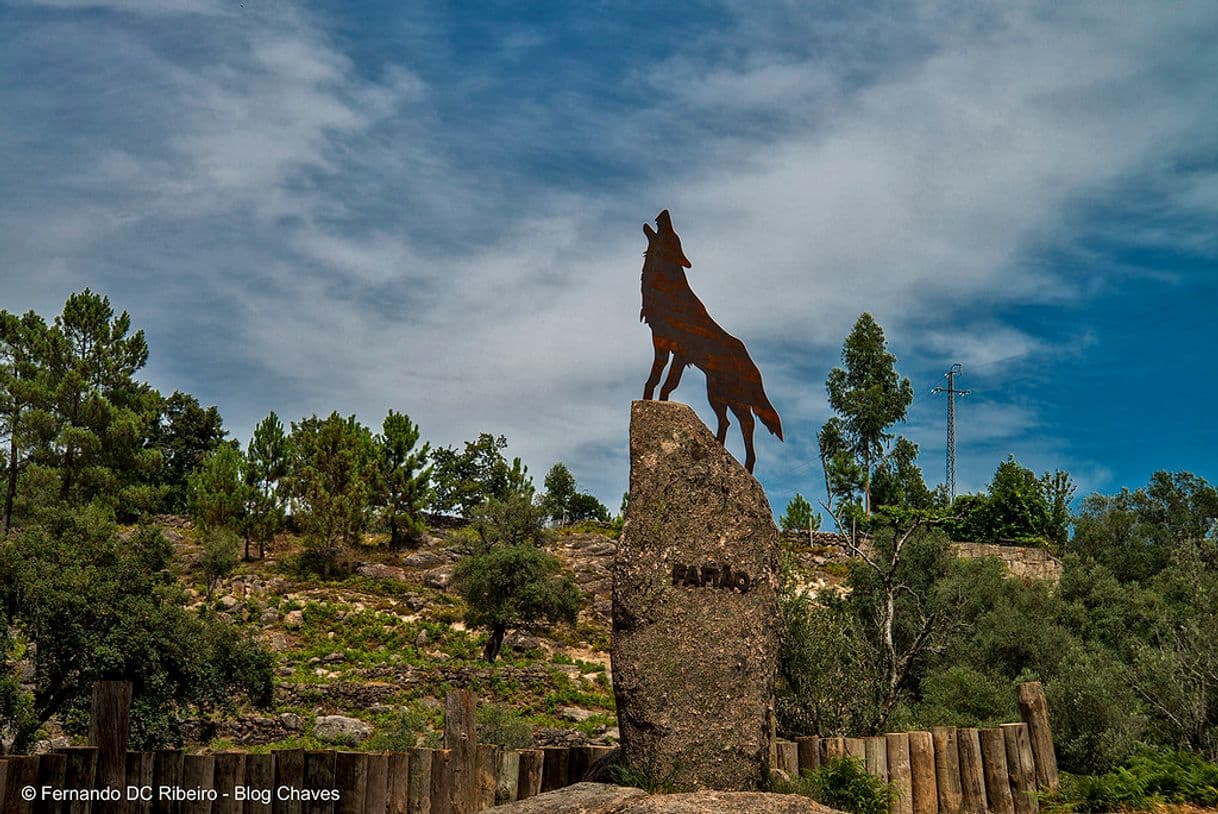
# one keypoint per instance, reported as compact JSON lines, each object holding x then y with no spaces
{"x":266,"y":465}
{"x":405,"y":484}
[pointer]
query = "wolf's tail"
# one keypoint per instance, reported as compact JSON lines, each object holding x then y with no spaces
{"x":766,"y":412}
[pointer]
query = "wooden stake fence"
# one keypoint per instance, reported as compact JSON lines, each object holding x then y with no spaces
{"x":946,"y":771}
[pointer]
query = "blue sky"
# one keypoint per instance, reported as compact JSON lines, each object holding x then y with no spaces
{"x":436,"y":208}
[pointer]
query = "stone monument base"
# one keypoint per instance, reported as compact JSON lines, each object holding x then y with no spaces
{"x":695,"y":608}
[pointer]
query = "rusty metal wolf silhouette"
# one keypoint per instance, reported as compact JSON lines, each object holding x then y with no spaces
{"x":682,"y":328}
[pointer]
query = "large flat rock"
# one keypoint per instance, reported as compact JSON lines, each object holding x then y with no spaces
{"x":695,"y":608}
{"x":597,"y":798}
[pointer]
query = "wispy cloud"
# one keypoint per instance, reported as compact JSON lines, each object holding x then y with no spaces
{"x":303,"y":225}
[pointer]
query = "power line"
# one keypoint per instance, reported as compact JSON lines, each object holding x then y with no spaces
{"x":952,"y":392}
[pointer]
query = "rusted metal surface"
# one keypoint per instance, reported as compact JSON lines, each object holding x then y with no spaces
{"x":683,"y":330}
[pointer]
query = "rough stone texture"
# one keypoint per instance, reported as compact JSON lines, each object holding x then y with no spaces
{"x":581,"y":798}
{"x":1023,"y":562}
{"x":694,"y":667}
{"x":597,"y":798}
{"x":341,"y":729}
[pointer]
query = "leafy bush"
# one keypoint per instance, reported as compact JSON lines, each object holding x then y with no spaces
{"x":398,"y":732}
{"x":503,"y":726}
{"x":844,"y":784}
{"x":220,"y":556}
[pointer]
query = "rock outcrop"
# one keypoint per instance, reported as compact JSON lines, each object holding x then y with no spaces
{"x":695,"y":608}
{"x":597,"y":798}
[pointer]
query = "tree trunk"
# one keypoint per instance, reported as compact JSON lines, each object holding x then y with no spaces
{"x":494,"y":643}
{"x":396,"y":538}
{"x":11,"y":494}
{"x":246,"y":535}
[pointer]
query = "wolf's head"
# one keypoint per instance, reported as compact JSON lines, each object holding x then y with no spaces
{"x":665,"y":244}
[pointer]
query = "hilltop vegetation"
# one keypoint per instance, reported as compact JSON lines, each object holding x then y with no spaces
{"x":327,"y":583}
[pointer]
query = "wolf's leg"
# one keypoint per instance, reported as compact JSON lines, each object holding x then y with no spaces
{"x":720,"y":409}
{"x":674,"y":376}
{"x":745,"y":416}
{"x":657,"y":367}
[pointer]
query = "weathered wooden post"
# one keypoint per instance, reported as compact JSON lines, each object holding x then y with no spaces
{"x":788,"y":757}
{"x":461,"y":738}
{"x":377,"y":785}
{"x":260,"y":775}
{"x":832,"y":749}
{"x":1034,"y":710}
{"x":229,"y":773}
{"x":507,"y":780}
{"x":318,"y":775}
{"x":397,"y":786}
{"x":198,"y":772}
{"x":52,"y":771}
{"x":809,"y":753}
{"x":289,"y":773}
{"x":418,"y":799}
{"x":922,"y":773}
{"x":22,"y":772}
{"x":488,"y":762}
{"x":997,"y":781}
{"x":1022,"y":767}
{"x":532,"y":762}
{"x":947,"y":769}
{"x":166,"y":771}
{"x":972,"y":775}
{"x":554,"y":771}
{"x":876,"y":756}
{"x":898,"y":771}
{"x":442,"y":782}
{"x":109,"y":721}
{"x":350,"y":778}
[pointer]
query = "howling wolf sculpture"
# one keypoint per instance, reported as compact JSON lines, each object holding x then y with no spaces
{"x":682,"y":327}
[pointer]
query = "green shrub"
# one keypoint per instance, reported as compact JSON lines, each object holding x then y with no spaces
{"x":398,"y":732}
{"x":503,"y":726}
{"x":1151,"y":777}
{"x":844,"y":784}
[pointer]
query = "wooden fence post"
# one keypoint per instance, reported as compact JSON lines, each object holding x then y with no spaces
{"x":554,"y":770}
{"x":922,"y":773}
{"x":109,"y":720}
{"x":997,"y":781}
{"x":22,"y":772}
{"x":350,"y":778}
{"x":260,"y":775}
{"x":856,"y":747}
{"x":1022,"y":767}
{"x":461,"y":737}
{"x":875,"y":750}
{"x":531,"y":767}
{"x":972,"y":775}
{"x":441,"y":782}
{"x":418,"y":795}
{"x":53,"y":772}
{"x":832,"y":749}
{"x":898,"y":771}
{"x":166,"y":771}
{"x":377,"y":786}
{"x":809,"y":753}
{"x":289,"y":773}
{"x":229,"y":773}
{"x":397,"y":785}
{"x":507,"y":780}
{"x":788,"y":758}
{"x":198,"y":772}
{"x":139,"y":774}
{"x":488,"y":763}
{"x":318,"y":774}
{"x":947,"y":769}
{"x":1034,"y":710}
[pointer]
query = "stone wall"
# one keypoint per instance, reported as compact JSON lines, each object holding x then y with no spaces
{"x":1023,"y":562}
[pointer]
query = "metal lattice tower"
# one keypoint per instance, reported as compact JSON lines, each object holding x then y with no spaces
{"x":951,"y":391}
